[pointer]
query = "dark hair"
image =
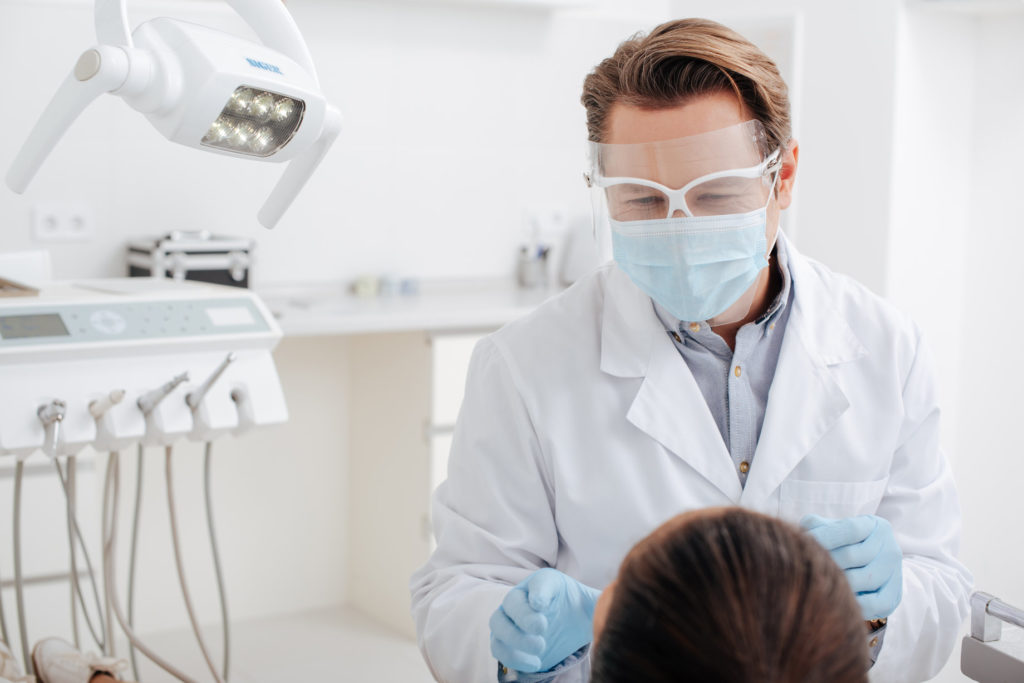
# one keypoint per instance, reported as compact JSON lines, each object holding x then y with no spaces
{"x":730,"y":595}
{"x":682,"y":59}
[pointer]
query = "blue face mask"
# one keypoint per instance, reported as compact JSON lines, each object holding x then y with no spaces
{"x":696,"y":267}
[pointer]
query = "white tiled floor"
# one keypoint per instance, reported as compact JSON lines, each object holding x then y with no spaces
{"x":331,"y":645}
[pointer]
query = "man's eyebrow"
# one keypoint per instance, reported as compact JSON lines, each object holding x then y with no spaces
{"x":724,"y":181}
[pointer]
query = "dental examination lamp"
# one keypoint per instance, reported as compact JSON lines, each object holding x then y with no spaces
{"x":202,"y":88}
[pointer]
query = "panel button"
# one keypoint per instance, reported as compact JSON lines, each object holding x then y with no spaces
{"x":108,"y":322}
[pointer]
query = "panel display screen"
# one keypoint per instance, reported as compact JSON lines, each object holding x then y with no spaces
{"x":230,"y":316}
{"x":28,"y":326}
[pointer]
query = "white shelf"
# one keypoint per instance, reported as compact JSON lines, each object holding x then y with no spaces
{"x":449,"y":307}
{"x":520,"y":4}
{"x":974,"y":7}
{"x":337,"y":644}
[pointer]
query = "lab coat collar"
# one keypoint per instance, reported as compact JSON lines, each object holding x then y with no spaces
{"x":629,"y":327}
{"x":669,"y":406}
{"x":827,"y":335}
{"x":804,"y":401}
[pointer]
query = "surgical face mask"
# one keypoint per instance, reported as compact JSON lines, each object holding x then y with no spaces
{"x":697,"y":267}
{"x":704,"y":264}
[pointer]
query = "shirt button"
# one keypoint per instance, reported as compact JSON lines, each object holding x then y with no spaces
{"x":874,"y":641}
{"x":772,"y":326}
{"x":736,"y":372}
{"x":744,"y":467}
{"x":675,"y":335}
{"x":694,"y":327}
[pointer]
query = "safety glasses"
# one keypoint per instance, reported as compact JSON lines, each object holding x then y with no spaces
{"x":737,"y":190}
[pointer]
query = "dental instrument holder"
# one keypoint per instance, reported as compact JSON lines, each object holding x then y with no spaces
{"x":203,"y":428}
{"x":991,"y":653}
{"x":246,"y":417}
{"x":51,"y":415}
{"x":156,"y":434}
{"x":102,"y":412}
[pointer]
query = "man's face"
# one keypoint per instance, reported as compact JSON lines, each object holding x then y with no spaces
{"x":706,"y":114}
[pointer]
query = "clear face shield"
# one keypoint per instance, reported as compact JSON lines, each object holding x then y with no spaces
{"x":688,"y":217}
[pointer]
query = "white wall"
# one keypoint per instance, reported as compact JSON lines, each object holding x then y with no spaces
{"x":932,"y":157}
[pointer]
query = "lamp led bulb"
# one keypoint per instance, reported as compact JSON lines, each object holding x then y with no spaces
{"x":219,"y":131}
{"x":261,"y":106}
{"x":262,"y":140}
{"x":241,"y":135}
{"x":283,"y":110}
{"x":240,"y":101}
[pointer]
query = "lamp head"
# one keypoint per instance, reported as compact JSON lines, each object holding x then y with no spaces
{"x":205,"y":89}
{"x":214,"y":91}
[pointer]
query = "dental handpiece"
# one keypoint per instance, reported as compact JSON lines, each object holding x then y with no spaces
{"x":151,"y":399}
{"x":100,"y":406}
{"x":51,"y":415}
{"x":195,"y":398}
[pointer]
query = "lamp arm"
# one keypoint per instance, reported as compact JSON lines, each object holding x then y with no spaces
{"x":111,"y":18}
{"x":99,"y":70}
{"x":276,"y":28}
{"x":270,"y":19}
{"x":299,"y":170}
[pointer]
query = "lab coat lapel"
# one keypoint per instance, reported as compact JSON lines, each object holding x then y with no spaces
{"x":669,"y":406}
{"x":805,"y":400}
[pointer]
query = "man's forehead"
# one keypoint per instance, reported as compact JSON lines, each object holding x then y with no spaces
{"x":692,"y":156}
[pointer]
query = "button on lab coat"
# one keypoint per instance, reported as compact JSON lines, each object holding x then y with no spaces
{"x":582,"y":430}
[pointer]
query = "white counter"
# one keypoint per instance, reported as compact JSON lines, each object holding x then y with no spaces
{"x":457,"y":306}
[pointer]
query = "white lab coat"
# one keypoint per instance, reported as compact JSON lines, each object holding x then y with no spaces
{"x":582,"y":430}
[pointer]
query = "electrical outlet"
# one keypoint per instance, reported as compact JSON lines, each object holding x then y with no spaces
{"x":62,"y":222}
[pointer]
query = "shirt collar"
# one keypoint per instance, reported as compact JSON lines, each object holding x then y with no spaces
{"x":673,"y":324}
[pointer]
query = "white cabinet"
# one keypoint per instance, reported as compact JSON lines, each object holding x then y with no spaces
{"x":404,"y":391}
{"x":401,"y":365}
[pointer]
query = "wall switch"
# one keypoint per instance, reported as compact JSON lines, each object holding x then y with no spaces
{"x":62,"y":222}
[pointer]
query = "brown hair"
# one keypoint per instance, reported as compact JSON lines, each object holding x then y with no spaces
{"x":730,"y":595}
{"x":682,"y":59}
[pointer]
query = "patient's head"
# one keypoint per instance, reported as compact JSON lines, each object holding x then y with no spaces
{"x":726,"y":594}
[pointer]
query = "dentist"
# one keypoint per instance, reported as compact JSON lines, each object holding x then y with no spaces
{"x":710,"y":365}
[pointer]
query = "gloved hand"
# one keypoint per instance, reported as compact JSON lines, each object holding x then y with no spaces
{"x":542,"y":621}
{"x":867,"y":551}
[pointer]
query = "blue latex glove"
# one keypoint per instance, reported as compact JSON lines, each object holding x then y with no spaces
{"x":866,"y":549}
{"x":542,"y":621}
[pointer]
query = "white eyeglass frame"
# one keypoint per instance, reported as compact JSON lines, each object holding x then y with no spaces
{"x":677,"y":198}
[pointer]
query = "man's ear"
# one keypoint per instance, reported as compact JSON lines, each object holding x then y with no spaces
{"x":787,"y":174}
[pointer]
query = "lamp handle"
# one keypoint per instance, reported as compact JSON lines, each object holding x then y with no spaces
{"x":299,"y":170}
{"x":99,"y":70}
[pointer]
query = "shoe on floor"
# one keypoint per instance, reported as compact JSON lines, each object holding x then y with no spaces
{"x":10,"y":670}
{"x":57,"y":661}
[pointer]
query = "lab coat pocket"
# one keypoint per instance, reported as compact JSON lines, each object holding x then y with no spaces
{"x":834,"y":499}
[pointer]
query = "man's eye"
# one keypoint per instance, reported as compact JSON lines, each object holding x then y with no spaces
{"x":646,"y":201}
{"x":709,"y":197}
